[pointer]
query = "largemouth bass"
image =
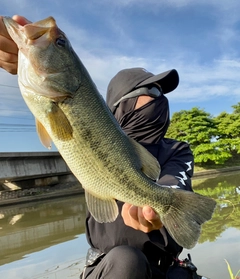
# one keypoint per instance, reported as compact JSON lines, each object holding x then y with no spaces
{"x":70,"y":111}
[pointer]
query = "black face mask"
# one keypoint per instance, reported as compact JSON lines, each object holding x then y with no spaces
{"x":147,"y":124}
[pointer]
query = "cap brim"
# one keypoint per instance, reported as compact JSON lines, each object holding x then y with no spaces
{"x":168,"y":80}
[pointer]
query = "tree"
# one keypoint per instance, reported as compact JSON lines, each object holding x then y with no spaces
{"x":236,"y":108}
{"x":199,"y":129}
{"x":212,"y":139}
{"x":214,"y":152}
{"x":228,"y":126}
{"x":194,"y":126}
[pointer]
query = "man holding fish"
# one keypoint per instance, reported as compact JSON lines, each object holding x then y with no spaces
{"x":135,"y":243}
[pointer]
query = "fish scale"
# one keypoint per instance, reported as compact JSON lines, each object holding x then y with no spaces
{"x":70,"y":111}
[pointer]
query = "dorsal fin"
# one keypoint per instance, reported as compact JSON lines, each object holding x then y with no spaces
{"x":149,"y":164}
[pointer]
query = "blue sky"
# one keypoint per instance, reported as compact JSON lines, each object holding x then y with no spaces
{"x":199,"y":38}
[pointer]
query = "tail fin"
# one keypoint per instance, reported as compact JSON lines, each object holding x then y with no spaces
{"x":185,"y":216}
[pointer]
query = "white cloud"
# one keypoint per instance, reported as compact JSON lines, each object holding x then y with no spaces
{"x":217,"y":77}
{"x":199,"y":38}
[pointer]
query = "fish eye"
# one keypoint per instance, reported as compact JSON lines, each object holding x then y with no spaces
{"x":61,"y":42}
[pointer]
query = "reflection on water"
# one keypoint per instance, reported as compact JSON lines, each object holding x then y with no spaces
{"x":221,"y":235}
{"x":47,"y":240}
{"x":43,"y":240}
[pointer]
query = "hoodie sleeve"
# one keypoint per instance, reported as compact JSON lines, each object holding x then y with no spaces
{"x":176,"y":161}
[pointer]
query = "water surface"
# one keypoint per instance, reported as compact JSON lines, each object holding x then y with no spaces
{"x":47,"y":239}
{"x":43,"y":239}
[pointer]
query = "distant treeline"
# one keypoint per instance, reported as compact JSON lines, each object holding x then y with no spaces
{"x":213,"y":140}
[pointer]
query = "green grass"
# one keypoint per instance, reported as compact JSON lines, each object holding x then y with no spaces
{"x":231,"y":273}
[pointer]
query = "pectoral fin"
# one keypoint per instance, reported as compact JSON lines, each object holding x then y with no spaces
{"x":148,"y":163}
{"x":43,"y":135}
{"x":59,"y":124}
{"x":103,"y":210}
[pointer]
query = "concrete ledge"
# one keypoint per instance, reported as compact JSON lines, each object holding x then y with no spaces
{"x":45,"y":196}
{"x":8,"y":155}
{"x":215,"y":171}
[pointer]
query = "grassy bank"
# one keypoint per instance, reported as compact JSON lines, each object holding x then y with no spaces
{"x":210,"y":166}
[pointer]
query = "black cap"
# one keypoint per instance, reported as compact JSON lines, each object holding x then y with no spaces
{"x":129,"y":79}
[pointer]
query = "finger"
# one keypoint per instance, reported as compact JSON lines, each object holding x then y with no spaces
{"x":9,"y":67}
{"x":138,"y":219}
{"x":143,"y":220}
{"x":8,"y":57}
{"x":129,"y":215}
{"x":8,"y":46}
{"x":125,"y":213}
{"x":3,"y":30}
{"x":152,"y":217}
{"x":126,"y":206}
{"x":133,"y":212}
{"x":149,"y":213}
{"x":21,"y":20}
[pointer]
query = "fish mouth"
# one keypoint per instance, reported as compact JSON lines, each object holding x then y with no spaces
{"x":13,"y":28}
{"x":27,"y":34}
